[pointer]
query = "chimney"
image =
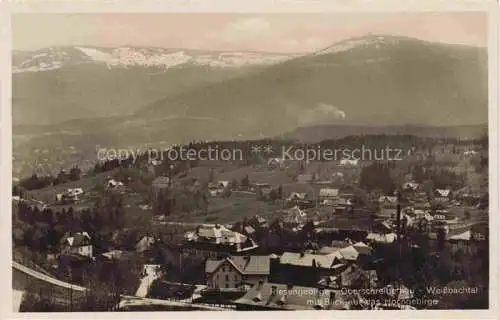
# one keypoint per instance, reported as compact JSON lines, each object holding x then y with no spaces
{"x":302,"y":254}
{"x":289,"y":286}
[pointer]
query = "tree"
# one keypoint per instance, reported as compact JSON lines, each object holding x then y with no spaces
{"x":377,"y":176}
{"x":245,"y":182}
{"x":280,"y":191}
{"x":234,"y":183}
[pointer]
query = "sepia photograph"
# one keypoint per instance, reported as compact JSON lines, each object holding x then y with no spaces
{"x":236,"y":161}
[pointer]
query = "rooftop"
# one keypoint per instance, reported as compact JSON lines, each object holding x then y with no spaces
{"x":248,"y":265}
{"x":282,"y":296}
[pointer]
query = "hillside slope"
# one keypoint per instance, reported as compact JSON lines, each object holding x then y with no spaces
{"x":374,"y":80}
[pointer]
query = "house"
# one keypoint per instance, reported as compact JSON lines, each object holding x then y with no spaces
{"x":349,"y":162}
{"x":294,"y":216}
{"x":160,"y":182}
{"x":274,"y":296}
{"x":237,"y":271}
{"x":222,"y":184}
{"x":328,"y":194}
{"x":74,"y":192}
{"x":410,"y":186}
{"x":210,"y":241}
{"x":275,"y":163}
{"x":305,"y":268}
{"x":350,"y":276}
{"x":338,"y":175}
{"x":259,"y":185}
{"x":70,"y":195}
{"x":248,"y":230}
{"x":78,"y":243}
{"x":442,"y":195}
{"x":388,"y":201}
{"x":305,"y":178}
{"x":381,"y":238}
{"x":308,"y":259}
{"x":339,"y":206}
{"x":470,"y":153}
{"x":297,"y":196}
{"x":145,"y":244}
{"x":383,"y":227}
{"x":112,"y":255}
{"x":258,"y":222}
{"x":217,"y":189}
{"x":112,"y":183}
{"x":267,"y":193}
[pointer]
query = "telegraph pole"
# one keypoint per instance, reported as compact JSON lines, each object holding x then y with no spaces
{"x":398,"y":231}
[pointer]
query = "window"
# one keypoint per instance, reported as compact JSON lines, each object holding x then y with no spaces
{"x":227,"y":277}
{"x":235,"y":278}
{"x":227,"y":285}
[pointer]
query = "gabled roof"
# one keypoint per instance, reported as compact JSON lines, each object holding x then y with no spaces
{"x":280,"y":296}
{"x":349,"y":162}
{"x":217,"y":234}
{"x":390,"y":199}
{"x":467,"y":235}
{"x":324,"y":261}
{"x":349,"y":253}
{"x":76,"y":239}
{"x":247,"y":265}
{"x":113,"y":254}
{"x":443,"y":192}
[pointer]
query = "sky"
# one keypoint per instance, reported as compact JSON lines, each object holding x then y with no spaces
{"x":279,"y":32}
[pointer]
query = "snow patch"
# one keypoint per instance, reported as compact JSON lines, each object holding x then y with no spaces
{"x":95,"y":55}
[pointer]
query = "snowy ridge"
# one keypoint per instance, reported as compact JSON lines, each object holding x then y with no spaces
{"x":376,"y":42}
{"x":54,"y":58}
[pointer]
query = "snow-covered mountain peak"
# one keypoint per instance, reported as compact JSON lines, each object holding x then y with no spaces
{"x":373,"y":41}
{"x":54,"y":58}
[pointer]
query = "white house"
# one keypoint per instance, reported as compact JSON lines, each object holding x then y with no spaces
{"x":77,"y":243}
{"x":349,"y":162}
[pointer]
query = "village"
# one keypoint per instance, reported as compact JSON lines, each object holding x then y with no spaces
{"x":270,"y":235}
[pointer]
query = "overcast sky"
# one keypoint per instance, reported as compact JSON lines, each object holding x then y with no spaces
{"x":256,"y":32}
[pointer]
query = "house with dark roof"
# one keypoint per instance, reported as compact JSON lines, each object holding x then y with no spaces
{"x":274,"y":296}
{"x":442,"y":195}
{"x":215,"y":241}
{"x":78,"y":243}
{"x":237,"y":271}
{"x":328,"y":194}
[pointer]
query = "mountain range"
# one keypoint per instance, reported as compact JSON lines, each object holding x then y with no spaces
{"x":130,"y":96}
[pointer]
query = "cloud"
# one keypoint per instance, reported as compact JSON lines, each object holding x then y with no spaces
{"x":242,"y":29}
{"x":322,"y":113}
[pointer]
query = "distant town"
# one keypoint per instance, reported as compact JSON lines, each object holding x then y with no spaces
{"x":259,"y":233}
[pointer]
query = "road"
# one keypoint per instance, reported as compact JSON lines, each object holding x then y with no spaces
{"x":127,"y":300}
